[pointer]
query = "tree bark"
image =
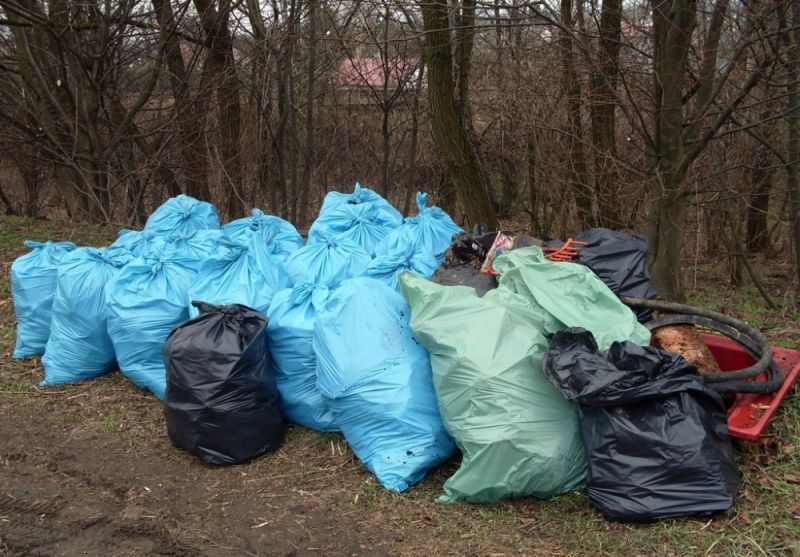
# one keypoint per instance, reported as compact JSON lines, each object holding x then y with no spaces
{"x":534,"y":194}
{"x":449,"y":134}
{"x":793,"y":136}
{"x":411,"y":183}
{"x":190,"y":112}
{"x":308,"y":168}
{"x":757,"y":234}
{"x":602,"y":108}
{"x":576,"y":157}
{"x":7,"y":202}
{"x":223,"y":67}
{"x":673,"y":33}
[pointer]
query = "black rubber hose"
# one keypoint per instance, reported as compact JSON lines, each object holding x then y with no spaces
{"x":764,"y":348}
{"x":774,"y":376}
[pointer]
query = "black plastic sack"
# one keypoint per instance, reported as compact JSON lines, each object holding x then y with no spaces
{"x":465,"y":275}
{"x":620,"y":261}
{"x":221,"y":401}
{"x":656,"y":437}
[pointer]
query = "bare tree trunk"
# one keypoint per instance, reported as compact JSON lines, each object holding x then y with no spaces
{"x":294,"y":150}
{"x":673,"y":31}
{"x":577,"y":170}
{"x":449,"y":133}
{"x":7,"y":202}
{"x":386,"y":103}
{"x":308,"y":168}
{"x":757,"y":239}
{"x":285,"y":108}
{"x":260,"y":78}
{"x":221,"y":60}
{"x":602,"y":107}
{"x":190,"y":113}
{"x":411,"y":183}
{"x":534,"y":195}
{"x":793,"y":136}
{"x":31,"y":177}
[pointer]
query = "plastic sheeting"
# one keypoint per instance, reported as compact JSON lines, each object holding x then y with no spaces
{"x":382,"y":397}
{"x":280,"y":236}
{"x":428,"y":233}
{"x":321,"y":262}
{"x":246,"y":274}
{"x":656,"y":436}
{"x":146,"y":300}
{"x":518,"y":435}
{"x":291,"y":332}
{"x":569,"y":295}
{"x":620,"y":261}
{"x":182,"y":215}
{"x":79,"y":346}
{"x":33,"y":287}
{"x":221,"y":401}
{"x":365,"y":224}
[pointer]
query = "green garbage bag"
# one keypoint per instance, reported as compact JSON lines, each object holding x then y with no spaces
{"x":518,"y":435}
{"x":569,"y":295}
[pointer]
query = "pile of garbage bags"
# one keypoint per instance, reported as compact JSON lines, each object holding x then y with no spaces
{"x":414,"y":340}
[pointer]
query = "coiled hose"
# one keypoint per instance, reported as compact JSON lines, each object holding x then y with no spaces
{"x":749,"y":337}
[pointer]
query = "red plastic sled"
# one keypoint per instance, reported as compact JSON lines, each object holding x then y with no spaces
{"x":749,"y":413}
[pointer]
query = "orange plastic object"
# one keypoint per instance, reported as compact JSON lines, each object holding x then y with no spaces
{"x":567,"y":252}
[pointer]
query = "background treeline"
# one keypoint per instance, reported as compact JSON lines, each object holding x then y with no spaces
{"x":679,"y":117}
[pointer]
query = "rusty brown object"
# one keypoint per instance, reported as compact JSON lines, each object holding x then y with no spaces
{"x":686,"y":341}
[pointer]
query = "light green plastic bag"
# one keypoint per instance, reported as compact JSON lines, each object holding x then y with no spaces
{"x":571,"y":295}
{"x":518,"y":435}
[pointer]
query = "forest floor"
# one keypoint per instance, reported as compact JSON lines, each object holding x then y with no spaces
{"x":87,"y":469}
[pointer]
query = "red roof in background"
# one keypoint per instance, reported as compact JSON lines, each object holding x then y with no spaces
{"x":370,"y":71}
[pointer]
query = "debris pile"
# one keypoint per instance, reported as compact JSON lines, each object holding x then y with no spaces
{"x":412,"y":338}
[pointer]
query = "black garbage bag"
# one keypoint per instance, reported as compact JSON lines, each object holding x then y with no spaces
{"x":221,"y":401}
{"x":462,"y":263}
{"x":656,"y":437}
{"x":620,"y":261}
{"x":465,"y":275}
{"x":465,"y":249}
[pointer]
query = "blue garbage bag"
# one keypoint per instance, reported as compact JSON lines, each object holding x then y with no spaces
{"x":33,"y":287}
{"x":182,"y":215}
{"x":360,"y":195}
{"x":365,"y":224}
{"x":146,"y":300}
{"x":79,"y":346}
{"x":279,"y":235}
{"x":291,"y":331}
{"x":377,"y":381}
{"x":320,"y":262}
{"x":386,"y":267}
{"x":134,"y":241}
{"x":430,"y":232}
{"x":247,"y":274}
{"x":200,"y":246}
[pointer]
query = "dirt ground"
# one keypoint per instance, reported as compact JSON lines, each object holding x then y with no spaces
{"x":87,"y":469}
{"x":76,"y":482}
